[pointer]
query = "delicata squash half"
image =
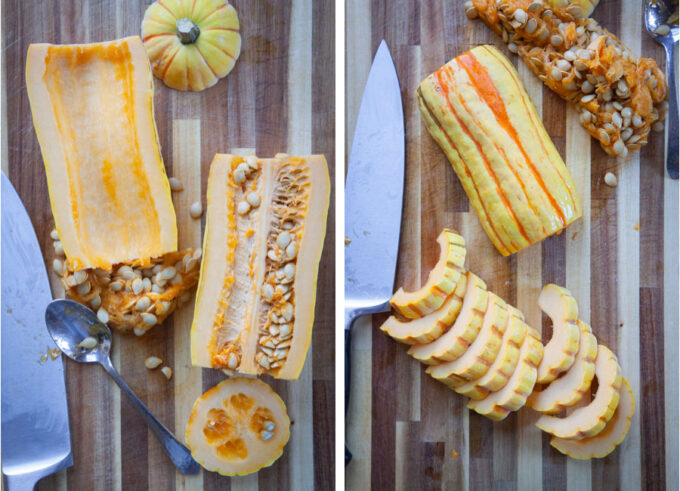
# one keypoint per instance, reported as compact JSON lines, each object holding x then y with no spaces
{"x":92,"y":107}
{"x":479,"y":113}
{"x":238,"y":427}
{"x":265,"y":228}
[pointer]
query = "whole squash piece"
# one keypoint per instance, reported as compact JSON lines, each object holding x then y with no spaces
{"x":560,"y":352}
{"x":92,"y":107}
{"x":589,"y":420}
{"x":569,"y":390}
{"x":428,"y":328}
{"x":191,"y":43}
{"x":265,"y":229}
{"x":238,"y":427}
{"x":609,"y":438}
{"x":441,"y":282}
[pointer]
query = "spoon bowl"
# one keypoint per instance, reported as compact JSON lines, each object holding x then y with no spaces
{"x":69,"y":322}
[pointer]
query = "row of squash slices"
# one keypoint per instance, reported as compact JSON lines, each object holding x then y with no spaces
{"x":480,"y":347}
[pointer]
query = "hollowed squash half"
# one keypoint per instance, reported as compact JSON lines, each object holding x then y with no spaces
{"x":561,"y":350}
{"x":238,"y":427}
{"x":589,"y":420}
{"x":265,"y":228}
{"x":441,"y":282}
{"x":92,"y":107}
{"x":609,"y":438}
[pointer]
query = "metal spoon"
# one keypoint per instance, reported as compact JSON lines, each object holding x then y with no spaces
{"x":68,"y":323}
{"x":656,"y":15}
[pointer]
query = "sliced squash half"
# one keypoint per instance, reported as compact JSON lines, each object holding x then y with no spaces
{"x":265,"y":228}
{"x":589,"y":420}
{"x":503,"y":366}
{"x":570,"y":388}
{"x":497,"y":405}
{"x":427,"y":329}
{"x":481,"y":354}
{"x":609,"y":438}
{"x":453,"y":343}
{"x":441,"y":282}
{"x":560,"y":352}
{"x":238,"y":427}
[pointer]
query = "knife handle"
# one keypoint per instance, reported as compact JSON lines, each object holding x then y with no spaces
{"x":178,"y":453}
{"x":348,"y":366}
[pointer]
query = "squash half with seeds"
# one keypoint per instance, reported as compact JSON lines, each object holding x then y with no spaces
{"x":265,"y":229}
{"x":92,"y":107}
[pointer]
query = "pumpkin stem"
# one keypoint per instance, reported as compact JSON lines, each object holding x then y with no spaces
{"x":187,"y":31}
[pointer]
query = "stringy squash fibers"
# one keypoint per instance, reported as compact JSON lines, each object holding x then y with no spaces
{"x":92,"y":108}
{"x":238,"y":427}
{"x":265,"y":228}
{"x":191,"y":43}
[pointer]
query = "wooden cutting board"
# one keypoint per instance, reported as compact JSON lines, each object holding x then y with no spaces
{"x":620,"y":261}
{"x":273,"y":102}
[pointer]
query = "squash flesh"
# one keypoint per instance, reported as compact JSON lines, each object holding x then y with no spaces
{"x":225,"y":428}
{"x":237,"y":325}
{"x":609,"y":438}
{"x":92,"y":110}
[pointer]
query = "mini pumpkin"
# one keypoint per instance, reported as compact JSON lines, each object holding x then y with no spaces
{"x":238,"y":427}
{"x":191,"y":43}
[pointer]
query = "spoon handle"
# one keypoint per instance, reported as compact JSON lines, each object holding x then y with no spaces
{"x":177,"y":452}
{"x":672,"y":114}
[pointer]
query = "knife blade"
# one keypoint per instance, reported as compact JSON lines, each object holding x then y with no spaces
{"x":36,"y":439}
{"x":374,"y":193}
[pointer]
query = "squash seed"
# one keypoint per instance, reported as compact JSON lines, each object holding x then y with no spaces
{"x":84,"y":288}
{"x":139,"y":332}
{"x":156,"y":289}
{"x":88,"y":343}
{"x":175,"y":184}
{"x":610,"y":179}
{"x":80,"y":277}
{"x":146,"y":284}
{"x":239,"y":176}
{"x":267,"y":292}
{"x":253,"y":199}
{"x":137,"y":286}
{"x":266,"y":435}
{"x":162,"y":307}
{"x":167,"y":371}
{"x":289,"y":270}
{"x":243,"y":166}
{"x":658,"y":126}
{"x":291,"y":250}
{"x":58,"y":248}
{"x":269,"y":425}
{"x":152,"y":362}
{"x":232,"y":362}
{"x":251,"y":160}
{"x":143,"y":304}
{"x":96,"y":302}
{"x":284,"y":330}
{"x":243,"y":208}
{"x":103,"y":315}
{"x":149,"y":319}
{"x":116,"y":286}
{"x":167,"y":273}
{"x":196,"y":210}
{"x":283,"y":239}
{"x":58,"y":267}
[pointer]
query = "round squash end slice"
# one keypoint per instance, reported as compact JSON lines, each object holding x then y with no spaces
{"x":441,"y":282}
{"x":454,"y":342}
{"x":560,"y":352}
{"x":609,"y":438}
{"x":589,"y":420}
{"x":238,"y":427}
{"x":570,"y":389}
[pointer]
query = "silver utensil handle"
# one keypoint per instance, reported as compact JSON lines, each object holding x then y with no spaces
{"x":178,"y":453}
{"x":24,"y":482}
{"x":672,"y":114}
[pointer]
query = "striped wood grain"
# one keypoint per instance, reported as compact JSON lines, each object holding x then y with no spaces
{"x":272,"y":102}
{"x":620,"y":261}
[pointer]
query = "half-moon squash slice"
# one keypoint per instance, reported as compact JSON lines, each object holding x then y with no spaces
{"x":497,"y":405}
{"x":238,"y":427}
{"x":481,"y":354}
{"x":441,"y":282}
{"x":427,"y":329}
{"x":453,"y":343}
{"x":609,"y":438}
{"x":571,"y":387}
{"x":503,"y":366}
{"x":560,"y":352}
{"x":265,"y":228}
{"x":589,"y":420}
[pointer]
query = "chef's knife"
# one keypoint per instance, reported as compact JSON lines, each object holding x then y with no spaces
{"x":374,"y":192}
{"x":36,"y":440}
